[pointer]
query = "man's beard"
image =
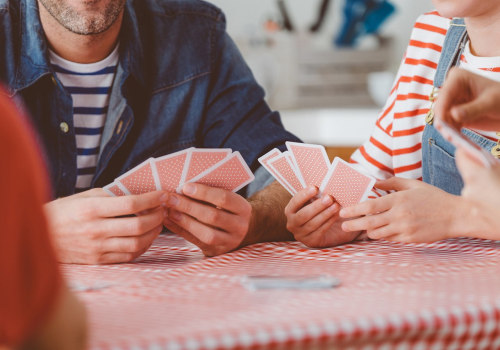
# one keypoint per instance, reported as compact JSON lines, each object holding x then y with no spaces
{"x":81,"y":23}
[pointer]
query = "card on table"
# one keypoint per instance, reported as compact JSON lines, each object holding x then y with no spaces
{"x":231,"y":173}
{"x":141,"y":179}
{"x":311,"y":161}
{"x":171,"y":168}
{"x":282,"y":165}
{"x":345,"y":184}
{"x":265,"y":159}
{"x":460,"y":140}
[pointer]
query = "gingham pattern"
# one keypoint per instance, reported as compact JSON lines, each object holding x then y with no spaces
{"x":416,"y":296}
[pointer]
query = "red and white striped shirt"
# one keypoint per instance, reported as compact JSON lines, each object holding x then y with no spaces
{"x":395,"y":146}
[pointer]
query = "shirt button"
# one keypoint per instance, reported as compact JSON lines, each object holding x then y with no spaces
{"x":64,"y":127}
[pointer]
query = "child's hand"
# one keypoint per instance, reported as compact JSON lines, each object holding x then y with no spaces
{"x":315,"y":222}
{"x":416,"y":212}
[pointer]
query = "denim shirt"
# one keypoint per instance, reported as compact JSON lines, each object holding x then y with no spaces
{"x":180,"y":82}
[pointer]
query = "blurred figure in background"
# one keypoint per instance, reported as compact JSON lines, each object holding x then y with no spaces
{"x":37,"y":311}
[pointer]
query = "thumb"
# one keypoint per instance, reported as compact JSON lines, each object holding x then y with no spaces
{"x":470,"y":111}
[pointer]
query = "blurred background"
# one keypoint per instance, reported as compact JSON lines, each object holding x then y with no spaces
{"x":326,"y":65}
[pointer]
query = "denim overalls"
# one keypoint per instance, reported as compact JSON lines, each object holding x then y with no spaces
{"x":438,"y":155}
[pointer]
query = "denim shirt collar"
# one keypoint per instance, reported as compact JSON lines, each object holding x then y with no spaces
{"x":132,"y":53}
{"x":34,"y":48}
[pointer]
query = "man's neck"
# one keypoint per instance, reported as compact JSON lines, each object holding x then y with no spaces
{"x":79,"y":48}
{"x":484,"y":34}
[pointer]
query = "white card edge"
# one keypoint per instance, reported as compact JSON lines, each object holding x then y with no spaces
{"x":282,"y":155}
{"x":266,"y":166}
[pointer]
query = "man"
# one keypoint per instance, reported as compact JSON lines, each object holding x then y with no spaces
{"x":110,"y":83}
{"x":37,"y":311}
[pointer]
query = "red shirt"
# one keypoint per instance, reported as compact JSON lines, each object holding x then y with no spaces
{"x":29,"y":274}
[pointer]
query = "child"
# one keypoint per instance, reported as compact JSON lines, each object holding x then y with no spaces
{"x":405,"y":148}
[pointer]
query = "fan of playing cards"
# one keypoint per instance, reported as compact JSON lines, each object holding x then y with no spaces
{"x":219,"y":168}
{"x":308,"y":165}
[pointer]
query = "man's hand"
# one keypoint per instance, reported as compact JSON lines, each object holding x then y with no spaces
{"x":417,"y":212}
{"x":93,"y":228}
{"x":315,"y":222}
{"x":469,"y":100}
{"x":215,"y":220}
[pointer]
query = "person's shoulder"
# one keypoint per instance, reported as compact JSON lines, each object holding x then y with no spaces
{"x":432,"y":22}
{"x":185,"y":8}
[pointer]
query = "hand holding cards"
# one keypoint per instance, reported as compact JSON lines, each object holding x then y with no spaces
{"x":308,"y":165}
{"x":218,"y":168}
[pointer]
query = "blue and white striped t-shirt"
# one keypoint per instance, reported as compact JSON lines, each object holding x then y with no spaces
{"x":90,"y":87}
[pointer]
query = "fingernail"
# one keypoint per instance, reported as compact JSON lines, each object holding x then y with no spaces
{"x":189,"y":189}
{"x":175,"y":215}
{"x":343,"y":212}
{"x":311,"y":190}
{"x":165,"y":213}
{"x":345,"y":227}
{"x":163,"y":198}
{"x":173,"y":201}
{"x":326,"y":200}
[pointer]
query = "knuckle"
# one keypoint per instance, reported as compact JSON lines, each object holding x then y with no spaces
{"x":247,"y":209}
{"x":223,"y":198}
{"x":214,"y":216}
{"x":130,"y":205}
{"x":242,"y":227}
{"x":185,"y":206}
{"x":137,"y":225}
{"x":135,"y":245}
{"x":88,"y":210}
{"x":210,"y":238}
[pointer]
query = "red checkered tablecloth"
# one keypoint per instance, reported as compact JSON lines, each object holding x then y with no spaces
{"x":392,"y":295}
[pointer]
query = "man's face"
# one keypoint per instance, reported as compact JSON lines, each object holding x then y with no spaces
{"x":85,"y":17}
{"x":467,"y":8}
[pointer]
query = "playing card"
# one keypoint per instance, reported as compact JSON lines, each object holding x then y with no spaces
{"x":202,"y":159}
{"x":311,"y":161}
{"x":459,"y":140}
{"x":114,"y":190}
{"x":282,"y":165}
{"x":345,"y":184}
{"x":231,"y":173}
{"x":264,"y":160}
{"x":170,"y":169}
{"x":141,"y":179}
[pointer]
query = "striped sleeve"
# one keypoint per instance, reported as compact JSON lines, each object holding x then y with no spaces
{"x":395,"y":145}
{"x":374,"y":157}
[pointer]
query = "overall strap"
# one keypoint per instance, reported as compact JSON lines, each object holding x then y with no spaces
{"x":453,"y":46}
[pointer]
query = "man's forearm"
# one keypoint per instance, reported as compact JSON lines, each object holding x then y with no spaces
{"x":268,"y":221}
